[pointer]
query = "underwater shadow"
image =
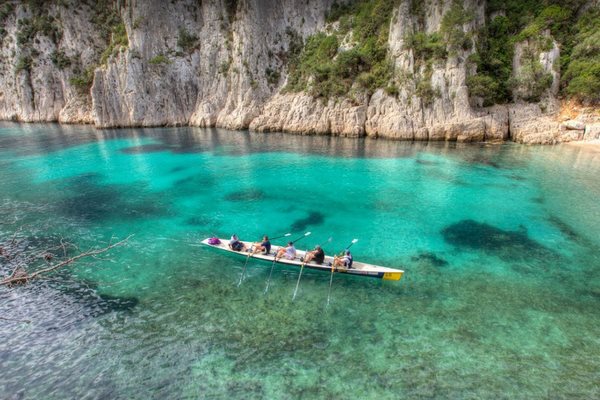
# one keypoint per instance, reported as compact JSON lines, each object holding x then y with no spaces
{"x":507,"y":245}
{"x":313,"y":218}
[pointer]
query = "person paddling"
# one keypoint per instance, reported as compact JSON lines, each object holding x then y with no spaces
{"x":344,"y":262}
{"x":235,"y":243}
{"x":264,"y":246}
{"x":317,"y":255}
{"x":289,"y":252}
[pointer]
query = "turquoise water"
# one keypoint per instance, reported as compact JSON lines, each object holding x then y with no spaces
{"x":500,"y":298}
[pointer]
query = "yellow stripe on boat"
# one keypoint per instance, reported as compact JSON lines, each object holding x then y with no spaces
{"x":392,"y":276}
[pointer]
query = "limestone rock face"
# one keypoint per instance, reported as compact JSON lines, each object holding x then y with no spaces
{"x":224,"y":63}
{"x":592,"y":132}
{"x":574,"y":125}
{"x":32,"y":87}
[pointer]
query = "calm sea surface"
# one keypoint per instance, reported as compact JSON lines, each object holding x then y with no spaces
{"x":500,"y":244}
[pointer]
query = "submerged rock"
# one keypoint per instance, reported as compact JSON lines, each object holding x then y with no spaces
{"x":314,"y":218}
{"x":509,"y":245}
{"x":431,"y":258}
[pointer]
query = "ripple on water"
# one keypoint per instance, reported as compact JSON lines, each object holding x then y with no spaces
{"x":164,"y":318}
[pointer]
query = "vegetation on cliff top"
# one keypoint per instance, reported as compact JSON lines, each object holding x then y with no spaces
{"x":582,"y":75}
{"x":537,"y":24}
{"x":354,"y":53}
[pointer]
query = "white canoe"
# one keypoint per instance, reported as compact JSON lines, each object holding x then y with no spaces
{"x":358,"y":268}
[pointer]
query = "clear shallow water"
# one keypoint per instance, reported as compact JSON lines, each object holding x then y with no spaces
{"x":499,"y":243}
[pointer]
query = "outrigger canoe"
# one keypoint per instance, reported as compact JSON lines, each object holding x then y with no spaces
{"x":358,"y":268}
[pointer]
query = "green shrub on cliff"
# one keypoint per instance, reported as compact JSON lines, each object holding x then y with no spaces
{"x":494,"y":63}
{"x":60,"y":59}
{"x":326,"y":70}
{"x":452,"y":27}
{"x":42,"y":24}
{"x":159,"y":59}
{"x":426,"y":46}
{"x":554,"y":18}
{"x":23,"y":64}
{"x":105,"y":17}
{"x":484,"y":86}
{"x":532,"y":80}
{"x":186,"y":40}
{"x":110,"y":25}
{"x":529,"y":20}
{"x":118,"y":40}
{"x":582,"y":76}
{"x":84,"y":80}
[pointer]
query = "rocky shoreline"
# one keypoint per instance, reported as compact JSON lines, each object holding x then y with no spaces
{"x":208,"y":65}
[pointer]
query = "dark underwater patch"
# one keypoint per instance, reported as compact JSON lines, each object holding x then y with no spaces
{"x":425,"y":162}
{"x":202,"y":221}
{"x":508,"y":245}
{"x":516,"y":177}
{"x":175,"y":170}
{"x":192,"y":183}
{"x":246,"y":195}
{"x":565,"y":228}
{"x":481,"y":159}
{"x":85,"y":294}
{"x":538,"y":200}
{"x":146,"y":148}
{"x":88,"y":199}
{"x":313,"y":218}
{"x":431,"y":258}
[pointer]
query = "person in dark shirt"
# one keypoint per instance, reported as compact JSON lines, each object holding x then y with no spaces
{"x":317,"y":255}
{"x":344,"y":262}
{"x":264,"y":246}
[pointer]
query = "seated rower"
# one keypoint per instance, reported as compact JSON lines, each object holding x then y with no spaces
{"x":289,"y":252}
{"x":264,"y":246}
{"x":317,"y":255}
{"x":235,"y":243}
{"x":344,"y":262}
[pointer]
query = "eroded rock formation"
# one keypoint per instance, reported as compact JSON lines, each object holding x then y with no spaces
{"x":225,"y":63}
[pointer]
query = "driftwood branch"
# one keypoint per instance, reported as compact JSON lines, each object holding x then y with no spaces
{"x":20,"y":275}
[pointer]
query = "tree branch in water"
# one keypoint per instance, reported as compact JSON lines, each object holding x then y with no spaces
{"x":19,"y":274}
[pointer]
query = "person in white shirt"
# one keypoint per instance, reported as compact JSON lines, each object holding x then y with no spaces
{"x":288,"y":252}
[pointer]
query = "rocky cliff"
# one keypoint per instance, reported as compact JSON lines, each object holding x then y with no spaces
{"x":395,"y":69}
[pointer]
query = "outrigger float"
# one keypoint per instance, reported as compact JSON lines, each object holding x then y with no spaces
{"x":358,"y":268}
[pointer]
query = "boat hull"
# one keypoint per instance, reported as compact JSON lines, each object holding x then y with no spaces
{"x":358,"y":268}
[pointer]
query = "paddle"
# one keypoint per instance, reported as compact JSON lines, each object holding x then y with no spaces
{"x":302,"y":269}
{"x":332,"y":268}
{"x":248,"y":257}
{"x":279,"y":237}
{"x":302,"y":237}
{"x":275,"y":259}
{"x":327,"y":241}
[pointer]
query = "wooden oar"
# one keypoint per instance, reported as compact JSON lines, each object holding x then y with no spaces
{"x":302,"y":268}
{"x":249,"y":254}
{"x":332,"y":268}
{"x":275,"y":259}
{"x":282,"y":236}
{"x":300,"y":275}
{"x":302,"y":237}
